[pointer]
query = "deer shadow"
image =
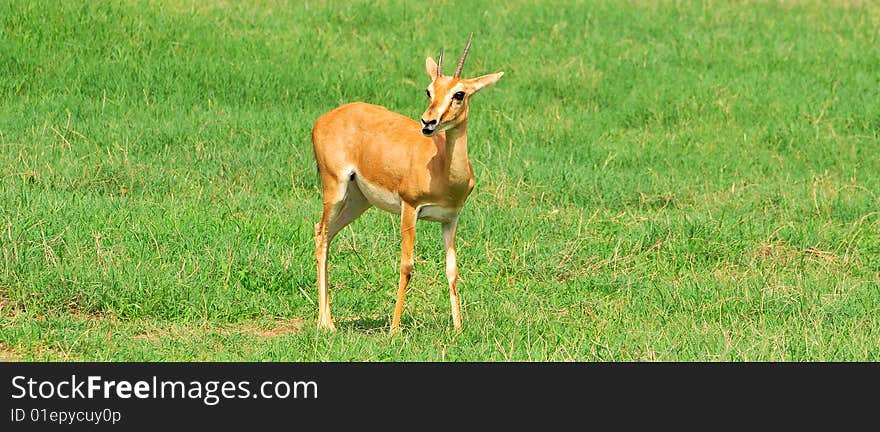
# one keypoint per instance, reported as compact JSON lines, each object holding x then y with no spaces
{"x":365,"y":324}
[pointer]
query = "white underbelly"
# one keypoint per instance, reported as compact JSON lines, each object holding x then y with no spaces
{"x":438,"y":213}
{"x":379,"y":197}
{"x":390,"y":201}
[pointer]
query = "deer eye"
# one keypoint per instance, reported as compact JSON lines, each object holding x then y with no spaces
{"x":458,"y":96}
{"x":428,"y":92}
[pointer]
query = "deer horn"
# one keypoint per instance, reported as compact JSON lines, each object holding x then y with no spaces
{"x":463,"y":56}
{"x":440,"y":64}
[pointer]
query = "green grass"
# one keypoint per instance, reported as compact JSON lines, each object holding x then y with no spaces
{"x":657,"y":180}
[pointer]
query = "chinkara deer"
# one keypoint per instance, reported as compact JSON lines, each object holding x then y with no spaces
{"x":369,"y":156}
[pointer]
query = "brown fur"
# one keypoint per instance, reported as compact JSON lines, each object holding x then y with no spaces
{"x":369,"y":156}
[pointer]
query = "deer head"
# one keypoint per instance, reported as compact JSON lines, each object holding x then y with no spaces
{"x":449,"y":96}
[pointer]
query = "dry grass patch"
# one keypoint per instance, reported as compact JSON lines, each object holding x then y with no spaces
{"x":263,"y":330}
{"x":7,"y":355}
{"x":781,"y":253}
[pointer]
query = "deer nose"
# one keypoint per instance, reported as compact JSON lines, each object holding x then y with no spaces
{"x":428,"y":127}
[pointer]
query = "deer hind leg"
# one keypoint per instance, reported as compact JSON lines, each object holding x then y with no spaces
{"x":452,"y":270}
{"x":408,"y":217}
{"x":342,"y":205}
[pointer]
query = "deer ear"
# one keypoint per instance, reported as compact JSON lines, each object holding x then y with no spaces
{"x":431,"y":67}
{"x":484,"y":81}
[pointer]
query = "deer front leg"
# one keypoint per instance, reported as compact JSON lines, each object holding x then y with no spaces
{"x":452,"y":270}
{"x":408,"y":218}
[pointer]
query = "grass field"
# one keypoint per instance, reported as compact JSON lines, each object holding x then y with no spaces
{"x":656,"y":180}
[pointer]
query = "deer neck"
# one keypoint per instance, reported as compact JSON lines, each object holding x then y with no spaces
{"x":457,"y":164}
